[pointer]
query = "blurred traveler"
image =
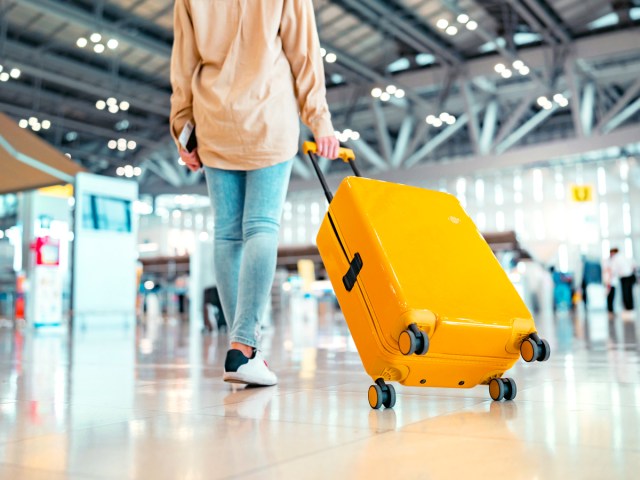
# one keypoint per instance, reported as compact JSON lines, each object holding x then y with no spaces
{"x":620,"y":268}
{"x":242,"y":76}
{"x":591,"y":274}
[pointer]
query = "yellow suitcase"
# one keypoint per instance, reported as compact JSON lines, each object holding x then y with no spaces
{"x":425,"y":299}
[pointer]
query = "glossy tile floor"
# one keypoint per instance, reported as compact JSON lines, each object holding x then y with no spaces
{"x":148,"y":403}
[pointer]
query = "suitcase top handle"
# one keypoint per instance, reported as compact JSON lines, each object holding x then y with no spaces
{"x":346,"y":154}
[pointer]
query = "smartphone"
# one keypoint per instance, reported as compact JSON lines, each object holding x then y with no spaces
{"x":187,"y":137}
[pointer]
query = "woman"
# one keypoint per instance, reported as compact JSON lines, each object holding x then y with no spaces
{"x":242,"y":71}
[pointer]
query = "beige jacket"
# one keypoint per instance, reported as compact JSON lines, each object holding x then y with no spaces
{"x":244,"y":70}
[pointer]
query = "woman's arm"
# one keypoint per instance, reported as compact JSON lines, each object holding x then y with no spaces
{"x":301,"y":46}
{"x":184,"y":61}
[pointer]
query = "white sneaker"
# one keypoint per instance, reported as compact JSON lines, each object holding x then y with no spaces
{"x":252,"y":371}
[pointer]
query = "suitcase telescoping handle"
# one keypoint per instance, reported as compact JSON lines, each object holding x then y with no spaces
{"x":346,"y":154}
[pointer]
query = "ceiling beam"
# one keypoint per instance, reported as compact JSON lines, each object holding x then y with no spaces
{"x":547,"y":153}
{"x":83,"y":78}
{"x":68,"y":13}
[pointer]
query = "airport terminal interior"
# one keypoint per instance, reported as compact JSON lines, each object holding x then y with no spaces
{"x":525,"y":114}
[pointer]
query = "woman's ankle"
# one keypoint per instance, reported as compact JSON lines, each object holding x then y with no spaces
{"x":245,"y":349}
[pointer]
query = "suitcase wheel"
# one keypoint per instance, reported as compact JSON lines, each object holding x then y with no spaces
{"x":375,"y":397}
{"x":529,"y":350}
{"x":534,"y":349}
{"x":502,"y":388}
{"x":407,"y":342}
{"x":545,"y":351}
{"x":413,"y":341}
{"x":382,"y":394}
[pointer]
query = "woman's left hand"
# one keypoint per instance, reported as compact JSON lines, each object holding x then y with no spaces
{"x":328,"y":147}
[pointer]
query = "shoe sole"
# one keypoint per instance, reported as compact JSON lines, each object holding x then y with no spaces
{"x":234,"y":377}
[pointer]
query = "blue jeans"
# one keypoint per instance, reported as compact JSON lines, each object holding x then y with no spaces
{"x":247,"y":207}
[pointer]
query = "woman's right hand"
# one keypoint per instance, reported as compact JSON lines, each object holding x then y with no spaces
{"x":192,"y":160}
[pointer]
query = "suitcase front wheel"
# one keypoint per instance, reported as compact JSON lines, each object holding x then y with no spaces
{"x":382,"y":394}
{"x":502,"y":388}
{"x":413,"y":341}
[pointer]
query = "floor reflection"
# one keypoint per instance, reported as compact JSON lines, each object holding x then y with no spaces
{"x":126,"y":399}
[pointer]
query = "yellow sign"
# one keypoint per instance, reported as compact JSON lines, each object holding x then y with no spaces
{"x":62,"y":191}
{"x":582,"y":193}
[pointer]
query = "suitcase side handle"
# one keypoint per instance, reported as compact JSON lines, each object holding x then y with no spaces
{"x":346,"y":154}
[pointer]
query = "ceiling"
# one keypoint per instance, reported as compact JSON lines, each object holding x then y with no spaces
{"x":441,"y":53}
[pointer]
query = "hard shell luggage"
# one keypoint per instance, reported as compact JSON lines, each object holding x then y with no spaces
{"x":425,"y":299}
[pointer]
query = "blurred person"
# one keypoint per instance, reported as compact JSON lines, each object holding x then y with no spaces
{"x":622,"y":269}
{"x":243,"y":76}
{"x":591,"y":274}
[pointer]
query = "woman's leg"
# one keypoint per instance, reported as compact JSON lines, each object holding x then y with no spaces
{"x":266,"y":190}
{"x":227,"y":191}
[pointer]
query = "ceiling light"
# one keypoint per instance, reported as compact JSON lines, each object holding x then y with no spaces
{"x":36,"y":127}
{"x":98,"y":48}
{"x":82,"y":42}
{"x":331,"y":58}
{"x":137,"y":171}
{"x":548,"y":106}
{"x":400,"y":93}
{"x":114,"y":109}
{"x":33,"y":121}
{"x":430,"y":119}
{"x":112,"y":101}
{"x":23,"y":123}
{"x":391,"y":89}
{"x":323,"y":52}
{"x":131,"y":145}
{"x":15,"y":73}
{"x":385,"y":97}
{"x":463,"y":18}
{"x":96,"y":37}
{"x":112,"y":144}
{"x":120,"y":171}
{"x":564,"y":102}
{"x":506,"y":73}
{"x":499,"y":68}
{"x":4,"y":76}
{"x":101,"y":105}
{"x":442,"y":24}
{"x":558,"y":97}
{"x":452,"y":30}
{"x":376,"y":92}
{"x":542,"y":100}
{"x":524,"y":70}
{"x":471,"y":25}
{"x":113,"y":44}
{"x":1,"y":68}
{"x":518,"y":64}
{"x":443,"y":116}
{"x":450,"y":120}
{"x":122,"y":148}
{"x":46,"y":124}
{"x":437,"y":123}
{"x":355,"y":136}
{"x":124,"y":105}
